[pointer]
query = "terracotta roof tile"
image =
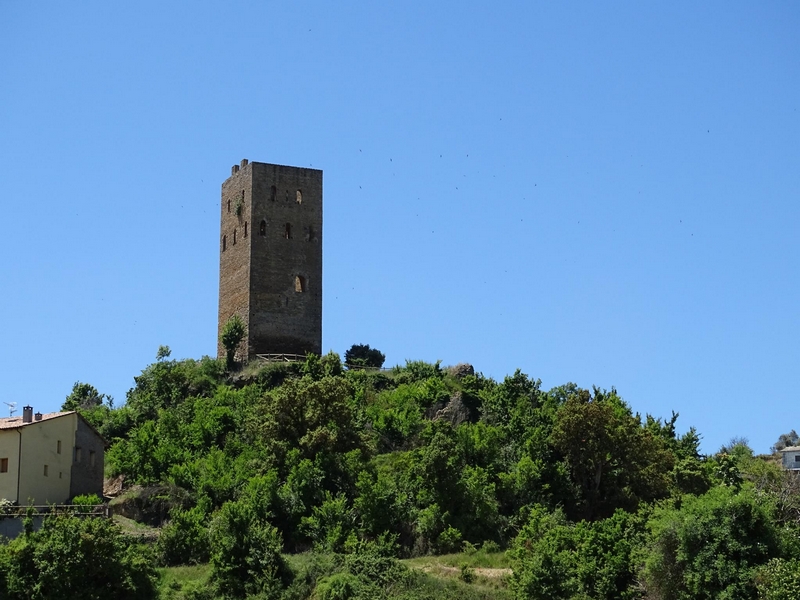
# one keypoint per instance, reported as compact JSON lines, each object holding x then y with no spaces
{"x":15,"y":422}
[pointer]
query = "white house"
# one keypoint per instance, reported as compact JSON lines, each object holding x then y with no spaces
{"x":791,"y":458}
{"x":50,"y":458}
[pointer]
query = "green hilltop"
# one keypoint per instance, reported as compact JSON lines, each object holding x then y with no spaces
{"x":320,"y":479}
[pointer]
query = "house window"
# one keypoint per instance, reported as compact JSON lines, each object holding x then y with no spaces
{"x":77,"y":455}
{"x":224,"y":242}
{"x":299,"y":284}
{"x":45,"y":470}
{"x":91,"y":458}
{"x":262,"y":229}
{"x":229,"y":206}
{"x":245,"y":229}
{"x":60,"y":474}
{"x":797,"y":458}
{"x":287,"y":232}
{"x":58,"y":447}
{"x":299,"y":196}
{"x":3,"y":465}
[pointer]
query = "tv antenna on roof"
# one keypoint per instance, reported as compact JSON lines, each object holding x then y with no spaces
{"x":12,"y":408}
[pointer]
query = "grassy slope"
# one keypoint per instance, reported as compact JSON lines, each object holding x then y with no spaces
{"x":435,"y":578}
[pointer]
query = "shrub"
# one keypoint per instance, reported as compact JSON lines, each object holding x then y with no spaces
{"x":245,"y":553}
{"x":340,"y":586}
{"x":416,"y":370}
{"x":232,"y":334}
{"x":467,"y":574}
{"x":779,"y":579}
{"x":556,"y":560}
{"x":709,"y":546}
{"x":184,"y":540}
{"x":449,"y":540}
{"x":73,"y":558}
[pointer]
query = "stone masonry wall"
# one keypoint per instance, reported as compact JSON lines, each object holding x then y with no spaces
{"x":86,"y":476}
{"x":234,"y":258}
{"x":273,"y":277}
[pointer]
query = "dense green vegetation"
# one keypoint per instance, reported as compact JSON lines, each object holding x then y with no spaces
{"x":353,"y":469}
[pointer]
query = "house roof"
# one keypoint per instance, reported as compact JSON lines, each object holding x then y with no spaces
{"x":16,"y":422}
{"x":791,"y":449}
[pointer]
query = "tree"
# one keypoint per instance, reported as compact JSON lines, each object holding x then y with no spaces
{"x":308,"y":416}
{"x":232,"y":334}
{"x":163,"y":353}
{"x":361,"y":355}
{"x":785,"y":440}
{"x":84,"y":396}
{"x":613,"y":460}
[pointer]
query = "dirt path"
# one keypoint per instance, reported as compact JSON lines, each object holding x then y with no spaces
{"x":482,"y":571}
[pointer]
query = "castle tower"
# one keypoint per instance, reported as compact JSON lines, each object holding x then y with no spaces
{"x":270,"y":266}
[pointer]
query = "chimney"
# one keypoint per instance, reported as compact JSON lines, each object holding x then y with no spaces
{"x":27,"y":414}
{"x":37,"y":416}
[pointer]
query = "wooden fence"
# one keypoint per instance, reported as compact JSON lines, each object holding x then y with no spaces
{"x":286,"y":358}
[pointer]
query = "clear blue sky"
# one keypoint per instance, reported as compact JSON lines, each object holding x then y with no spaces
{"x":590,"y":192}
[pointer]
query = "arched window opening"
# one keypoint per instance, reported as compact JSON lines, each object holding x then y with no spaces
{"x":287,"y":232}
{"x":273,"y":193}
{"x":310,"y":237}
{"x":229,"y":205}
{"x":299,"y":196}
{"x":234,"y":237}
{"x":299,"y":284}
{"x":224,"y":242}
{"x":262,"y":229}
{"x":245,"y":229}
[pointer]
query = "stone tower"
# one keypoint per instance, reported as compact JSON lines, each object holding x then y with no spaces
{"x":270,"y":265}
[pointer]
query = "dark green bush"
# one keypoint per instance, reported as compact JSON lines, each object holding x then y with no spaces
{"x":361,"y":355}
{"x":184,"y":540}
{"x":709,"y":547}
{"x":555,"y":559}
{"x":779,"y":579}
{"x":73,"y":558}
{"x":246,"y":553}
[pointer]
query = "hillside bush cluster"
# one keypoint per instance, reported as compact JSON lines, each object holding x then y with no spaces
{"x":72,"y":558}
{"x":591,"y":500}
